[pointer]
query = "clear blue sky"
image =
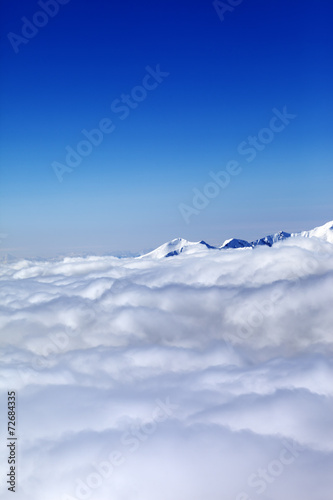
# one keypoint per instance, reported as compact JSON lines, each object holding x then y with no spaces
{"x":225,"y":77}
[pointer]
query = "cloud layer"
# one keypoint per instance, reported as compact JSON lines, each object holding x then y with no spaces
{"x":198,"y":376}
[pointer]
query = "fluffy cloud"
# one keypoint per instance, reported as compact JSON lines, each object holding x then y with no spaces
{"x":204,"y":375}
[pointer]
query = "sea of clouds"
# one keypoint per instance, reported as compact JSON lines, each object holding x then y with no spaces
{"x":196,"y":377}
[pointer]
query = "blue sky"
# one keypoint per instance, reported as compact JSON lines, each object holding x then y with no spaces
{"x":224,"y":79}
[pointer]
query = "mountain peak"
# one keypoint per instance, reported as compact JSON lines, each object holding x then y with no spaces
{"x":178,"y":246}
{"x":235,"y":243}
{"x":271,"y":239}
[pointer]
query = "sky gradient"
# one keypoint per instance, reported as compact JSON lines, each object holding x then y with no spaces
{"x":221,"y":81}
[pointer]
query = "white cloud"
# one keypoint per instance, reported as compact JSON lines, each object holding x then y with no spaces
{"x":240,"y":341}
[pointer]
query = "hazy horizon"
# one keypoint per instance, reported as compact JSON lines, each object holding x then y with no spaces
{"x":106,"y":250}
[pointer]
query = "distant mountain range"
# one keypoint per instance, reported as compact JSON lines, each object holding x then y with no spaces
{"x":179,"y":245}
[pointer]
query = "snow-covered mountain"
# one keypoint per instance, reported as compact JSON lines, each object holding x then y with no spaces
{"x":235,"y":243}
{"x":179,"y":245}
{"x":271,"y":239}
{"x":324,"y":232}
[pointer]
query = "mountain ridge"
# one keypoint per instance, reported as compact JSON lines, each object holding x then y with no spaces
{"x":180,"y":245}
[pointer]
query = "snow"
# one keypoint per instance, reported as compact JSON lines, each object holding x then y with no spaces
{"x":324,"y":232}
{"x":176,"y":247}
{"x":235,"y":243}
{"x":271,"y":239}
